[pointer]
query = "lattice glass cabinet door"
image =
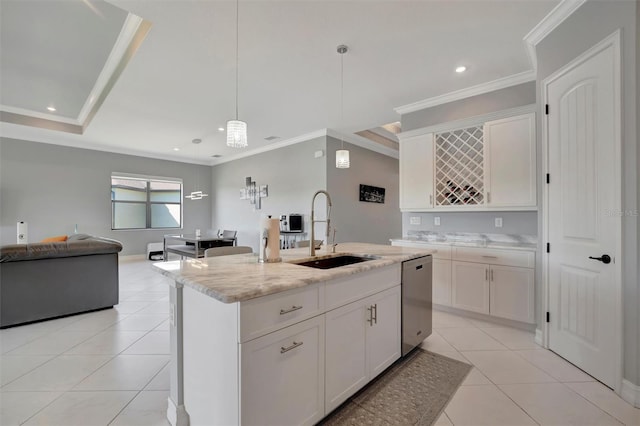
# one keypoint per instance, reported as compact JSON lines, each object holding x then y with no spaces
{"x":460,"y":167}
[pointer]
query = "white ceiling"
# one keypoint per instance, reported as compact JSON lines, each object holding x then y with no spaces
{"x":180,"y":83}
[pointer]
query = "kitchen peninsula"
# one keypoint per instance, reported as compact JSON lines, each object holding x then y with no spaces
{"x":280,"y":343}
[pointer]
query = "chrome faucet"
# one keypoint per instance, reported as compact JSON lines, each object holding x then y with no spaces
{"x":312,"y":244}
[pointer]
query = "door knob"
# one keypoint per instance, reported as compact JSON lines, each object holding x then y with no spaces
{"x":605,"y":258}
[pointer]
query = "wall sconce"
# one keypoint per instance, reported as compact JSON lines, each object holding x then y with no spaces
{"x":254,"y":193}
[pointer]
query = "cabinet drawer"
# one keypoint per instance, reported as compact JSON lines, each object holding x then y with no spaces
{"x":266,"y":314}
{"x":523,"y":259}
{"x":441,"y":251}
{"x":345,"y":290}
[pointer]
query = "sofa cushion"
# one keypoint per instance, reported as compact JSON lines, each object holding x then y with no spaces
{"x":55,"y":239}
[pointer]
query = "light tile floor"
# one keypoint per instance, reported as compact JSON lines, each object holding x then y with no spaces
{"x":111,"y":368}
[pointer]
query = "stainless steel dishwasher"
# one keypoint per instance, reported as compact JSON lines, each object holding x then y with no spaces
{"x":416,"y":302}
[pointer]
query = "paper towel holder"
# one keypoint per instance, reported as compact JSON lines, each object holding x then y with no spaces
{"x":264,"y":242}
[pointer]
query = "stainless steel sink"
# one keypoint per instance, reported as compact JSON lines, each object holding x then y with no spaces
{"x":335,"y":261}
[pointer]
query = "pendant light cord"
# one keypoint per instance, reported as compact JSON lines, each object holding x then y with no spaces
{"x":342,"y":94}
{"x":237,"y":49}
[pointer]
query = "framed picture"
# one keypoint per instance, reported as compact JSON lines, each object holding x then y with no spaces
{"x":371,"y":194}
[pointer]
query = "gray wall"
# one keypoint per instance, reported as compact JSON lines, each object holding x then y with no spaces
{"x":510,"y":97}
{"x":356,"y":220}
{"x":293,"y":176}
{"x":591,"y":23}
{"x":54,"y":187}
{"x":521,"y":223}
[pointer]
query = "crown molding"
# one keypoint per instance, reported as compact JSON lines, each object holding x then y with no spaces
{"x":479,"y":89}
{"x":468,"y":121}
{"x":562,"y":11}
{"x":276,"y":145}
{"x":364,"y":143}
{"x":38,"y":115}
{"x":101,"y":88}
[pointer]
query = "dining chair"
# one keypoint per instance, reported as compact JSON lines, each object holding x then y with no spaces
{"x":227,"y":250}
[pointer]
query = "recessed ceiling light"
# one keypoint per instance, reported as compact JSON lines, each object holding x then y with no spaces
{"x":176,"y":149}
{"x":461,"y":69}
{"x":52,"y":109}
{"x":221,"y":129}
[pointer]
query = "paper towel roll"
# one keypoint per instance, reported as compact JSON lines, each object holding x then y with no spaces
{"x":269,"y":240}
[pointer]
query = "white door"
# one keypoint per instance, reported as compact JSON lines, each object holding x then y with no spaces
{"x":416,"y":172}
{"x":583,"y":213}
{"x":470,"y":286}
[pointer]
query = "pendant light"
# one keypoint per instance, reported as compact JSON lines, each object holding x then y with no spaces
{"x":197,"y":194}
{"x":236,"y":129}
{"x":342,"y":155}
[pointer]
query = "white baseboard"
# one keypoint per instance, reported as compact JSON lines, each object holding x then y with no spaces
{"x":538,"y":338}
{"x":177,"y":415}
{"x":630,"y":393}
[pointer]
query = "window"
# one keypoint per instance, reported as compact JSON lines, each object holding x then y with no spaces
{"x":145,"y":203}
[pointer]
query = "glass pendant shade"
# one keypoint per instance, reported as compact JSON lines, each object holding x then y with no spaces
{"x":342,"y":159}
{"x":236,"y":134}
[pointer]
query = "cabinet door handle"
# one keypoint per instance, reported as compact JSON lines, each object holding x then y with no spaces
{"x":293,"y":308}
{"x":488,"y":197}
{"x":375,"y":313}
{"x":492,"y":275}
{"x":431,"y":200}
{"x":370,"y":319}
{"x":288,"y":348}
{"x":486,"y":275}
{"x":489,"y":257}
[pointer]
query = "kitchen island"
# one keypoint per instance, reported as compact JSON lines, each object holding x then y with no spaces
{"x":280,"y":343}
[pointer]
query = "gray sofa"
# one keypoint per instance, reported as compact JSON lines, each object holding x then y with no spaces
{"x":48,"y":280}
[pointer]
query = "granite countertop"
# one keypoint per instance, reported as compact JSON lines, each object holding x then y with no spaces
{"x":241,"y":277}
{"x":497,"y":241}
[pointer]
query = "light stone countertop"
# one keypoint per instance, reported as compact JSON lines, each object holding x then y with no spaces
{"x":492,"y":241}
{"x":241,"y":277}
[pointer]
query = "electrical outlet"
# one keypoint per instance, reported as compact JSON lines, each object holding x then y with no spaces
{"x":415,"y":220}
{"x":498,"y":222}
{"x":436,"y":221}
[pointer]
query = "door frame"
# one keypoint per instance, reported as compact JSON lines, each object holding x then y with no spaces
{"x":614,"y":41}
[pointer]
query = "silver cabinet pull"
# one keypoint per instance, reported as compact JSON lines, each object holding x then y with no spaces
{"x":370,"y":319}
{"x":288,"y":348}
{"x":489,"y":257}
{"x":488,"y":197}
{"x":486,"y":274}
{"x":293,"y":308}
{"x":492,"y":275}
{"x":431,"y":200}
{"x":374,"y":313}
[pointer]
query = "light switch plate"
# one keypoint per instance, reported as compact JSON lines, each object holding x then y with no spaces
{"x":436,"y":221}
{"x":414,"y":220}
{"x":498,"y":222}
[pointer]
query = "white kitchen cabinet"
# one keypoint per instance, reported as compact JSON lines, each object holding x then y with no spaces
{"x":512,"y":293}
{"x":362,"y":340}
{"x":416,"y":172}
{"x":470,"y":286}
{"x":488,"y":165}
{"x":282,"y":379}
{"x":442,"y":282}
{"x":510,"y":162}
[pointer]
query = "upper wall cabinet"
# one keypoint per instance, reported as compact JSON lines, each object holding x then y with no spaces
{"x":416,"y":173}
{"x":486,"y":166}
{"x":510,"y":162}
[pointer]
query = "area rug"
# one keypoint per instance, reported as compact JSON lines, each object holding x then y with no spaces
{"x":414,"y":391}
